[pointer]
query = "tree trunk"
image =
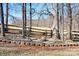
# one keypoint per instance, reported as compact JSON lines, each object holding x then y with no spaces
{"x":6,"y":16}
{"x":2,"y":20}
{"x":30,"y":18}
{"x":76,"y":18}
{"x":69,"y":14}
{"x":62,"y":22}
{"x":58,"y":34}
{"x":24,"y":19}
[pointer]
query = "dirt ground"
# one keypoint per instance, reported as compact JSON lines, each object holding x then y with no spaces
{"x":38,"y":51}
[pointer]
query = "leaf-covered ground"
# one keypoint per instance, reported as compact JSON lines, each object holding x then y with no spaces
{"x":38,"y":51}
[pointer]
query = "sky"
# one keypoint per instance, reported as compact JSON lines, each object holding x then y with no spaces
{"x":37,"y":7}
{"x":15,"y":9}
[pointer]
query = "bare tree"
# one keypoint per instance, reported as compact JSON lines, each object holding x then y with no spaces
{"x":30,"y":17}
{"x":62,"y":21}
{"x":58,"y":34}
{"x":69,"y":13}
{"x":76,"y":18}
{"x":7,"y":16}
{"x":24,"y":19}
{"x":2,"y":20}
